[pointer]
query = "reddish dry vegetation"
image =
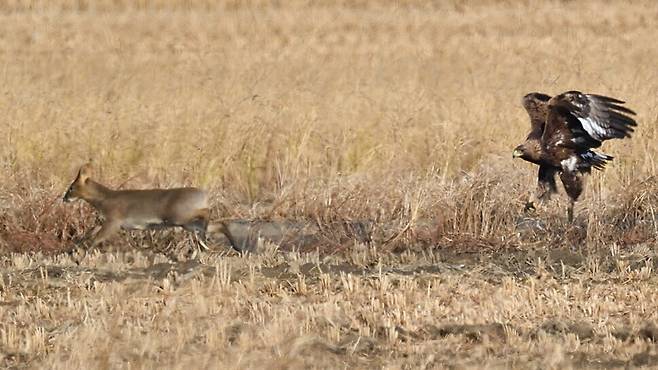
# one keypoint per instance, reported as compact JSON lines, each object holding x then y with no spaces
{"x":368,"y":144}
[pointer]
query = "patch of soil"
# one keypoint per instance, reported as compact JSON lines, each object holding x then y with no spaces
{"x":582,"y":330}
{"x":580,"y":360}
{"x":473,"y":332}
{"x":649,"y":332}
{"x":645,"y":359}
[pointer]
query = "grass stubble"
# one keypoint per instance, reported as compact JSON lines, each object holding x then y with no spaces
{"x":401,"y":117}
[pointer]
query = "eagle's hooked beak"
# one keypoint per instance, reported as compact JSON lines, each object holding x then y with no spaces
{"x":517,"y":153}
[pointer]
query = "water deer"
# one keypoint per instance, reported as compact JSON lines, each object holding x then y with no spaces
{"x":141,"y":209}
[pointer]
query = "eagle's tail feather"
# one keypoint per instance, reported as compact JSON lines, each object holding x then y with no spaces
{"x":592,"y":159}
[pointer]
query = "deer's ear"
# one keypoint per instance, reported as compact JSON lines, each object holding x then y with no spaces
{"x":85,"y":172}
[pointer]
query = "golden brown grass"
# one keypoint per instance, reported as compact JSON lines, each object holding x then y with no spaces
{"x":402,"y":116}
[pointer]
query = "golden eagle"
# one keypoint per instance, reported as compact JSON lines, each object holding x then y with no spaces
{"x":564,"y":129}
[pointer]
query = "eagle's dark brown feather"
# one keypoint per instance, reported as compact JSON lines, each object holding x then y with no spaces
{"x":600,"y":117}
{"x":546,"y":182}
{"x":564,"y":129}
{"x":536,"y":104}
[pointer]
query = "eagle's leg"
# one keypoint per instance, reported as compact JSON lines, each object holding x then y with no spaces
{"x":534,"y":199}
{"x":573,"y":184}
{"x":545,"y":187}
{"x":540,"y":195}
{"x":570,"y":211}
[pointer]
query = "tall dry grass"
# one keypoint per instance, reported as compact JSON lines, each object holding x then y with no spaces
{"x":361,"y":110}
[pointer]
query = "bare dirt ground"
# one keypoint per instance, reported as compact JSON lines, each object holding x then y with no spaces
{"x":361,"y":150}
{"x":496,"y":309}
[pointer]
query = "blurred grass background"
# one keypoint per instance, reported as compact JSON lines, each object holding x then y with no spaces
{"x":397,"y":112}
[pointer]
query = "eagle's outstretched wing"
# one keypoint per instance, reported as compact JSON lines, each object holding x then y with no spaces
{"x":536,"y":104}
{"x":589,"y":119}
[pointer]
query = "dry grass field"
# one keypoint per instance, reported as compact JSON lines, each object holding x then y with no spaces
{"x":388,"y":128}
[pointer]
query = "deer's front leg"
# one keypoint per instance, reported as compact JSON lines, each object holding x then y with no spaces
{"x":109,"y":228}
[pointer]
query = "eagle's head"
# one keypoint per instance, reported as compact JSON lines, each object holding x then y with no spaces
{"x":529,"y":151}
{"x":518,"y":152}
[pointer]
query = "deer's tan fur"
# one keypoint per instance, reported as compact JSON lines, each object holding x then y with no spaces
{"x":141,"y":209}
